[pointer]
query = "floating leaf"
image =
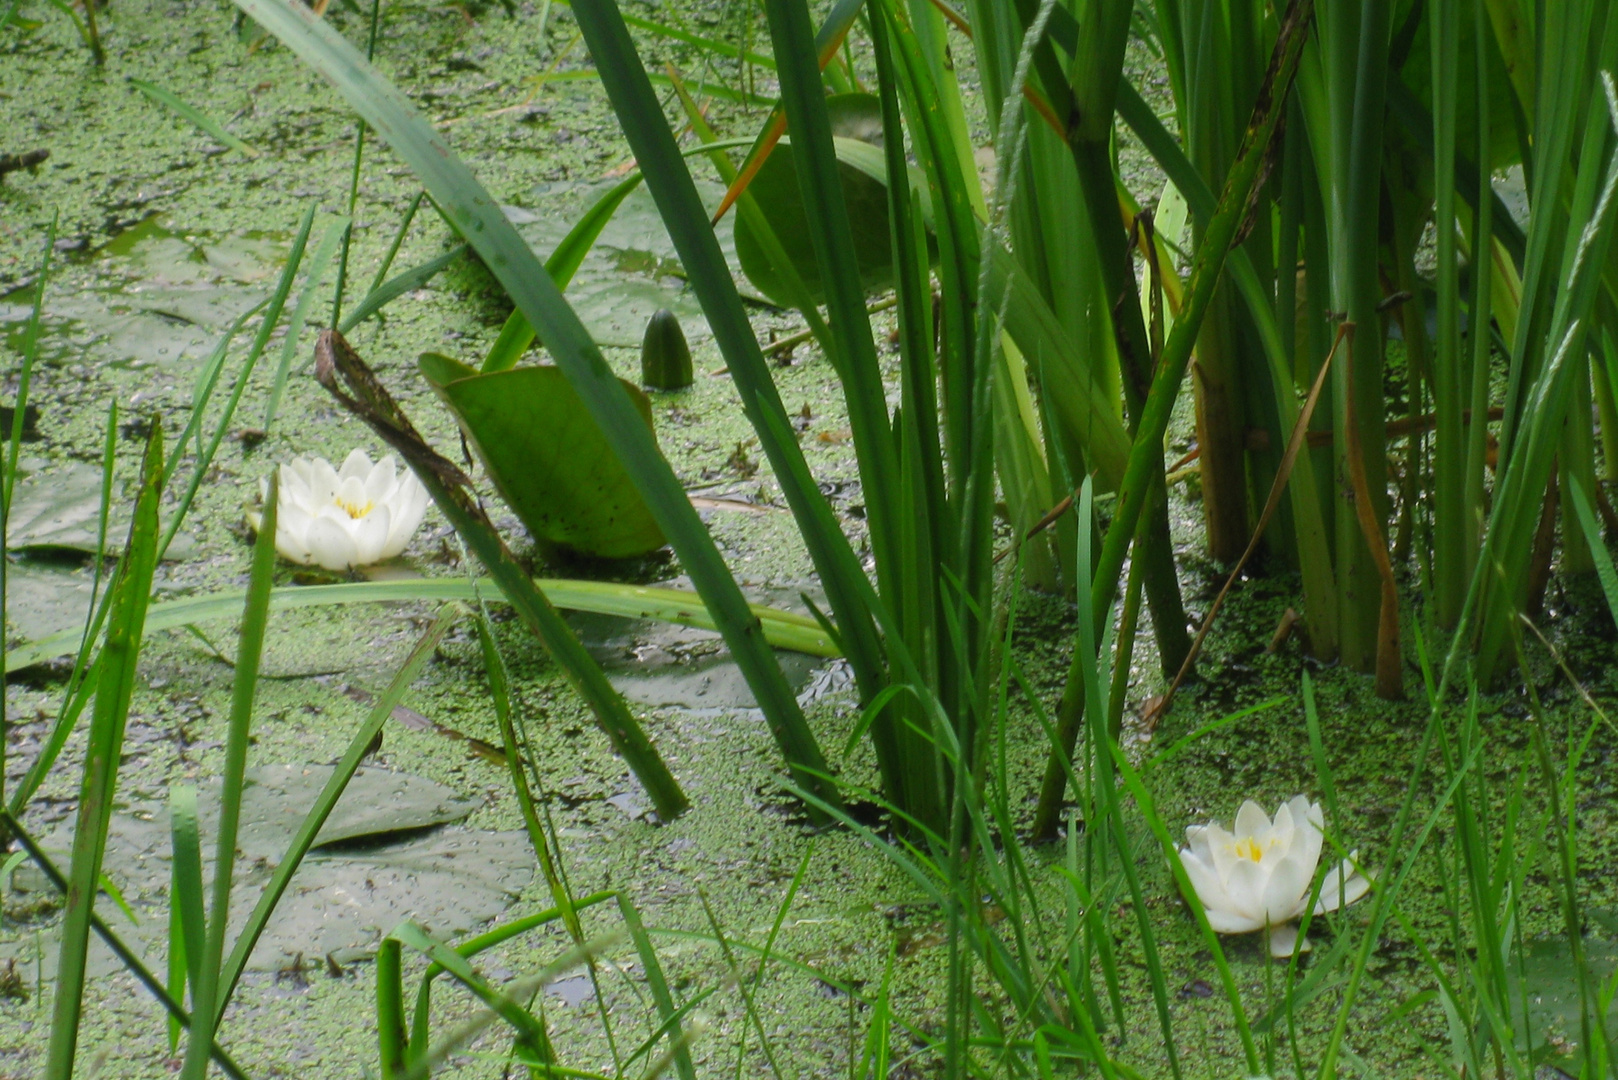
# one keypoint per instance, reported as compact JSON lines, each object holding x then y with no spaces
{"x":547,"y":457}
{"x":62,"y":509}
{"x":631,"y":271}
{"x":389,"y":851}
{"x":1550,"y":986}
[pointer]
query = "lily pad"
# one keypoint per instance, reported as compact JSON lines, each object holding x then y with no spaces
{"x":856,"y":119}
{"x":42,"y":599}
{"x":390,"y":851}
{"x":632,"y":271}
{"x":549,"y":460}
{"x":62,"y":509}
{"x":1550,"y":987}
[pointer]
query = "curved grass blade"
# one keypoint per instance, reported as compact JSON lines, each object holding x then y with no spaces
{"x":399,"y":284}
{"x":478,"y":218}
{"x":325,"y":251}
{"x":782,"y":629}
{"x":193,"y":114}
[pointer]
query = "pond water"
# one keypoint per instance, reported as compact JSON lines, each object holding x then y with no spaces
{"x":166,"y":240}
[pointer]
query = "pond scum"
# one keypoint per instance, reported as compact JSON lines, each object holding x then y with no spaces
{"x":1015,"y":538}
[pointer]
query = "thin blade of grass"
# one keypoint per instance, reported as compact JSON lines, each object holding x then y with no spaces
{"x":325,"y":251}
{"x":401,"y":283}
{"x":193,"y":114}
{"x":115,"y":687}
{"x":249,"y":653}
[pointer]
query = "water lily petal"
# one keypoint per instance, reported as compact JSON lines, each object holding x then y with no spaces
{"x":1285,"y":940}
{"x":371,"y":536}
{"x":408,"y":507}
{"x":331,"y":545}
{"x":294,"y":486}
{"x":1222,"y":848}
{"x":322,"y":480}
{"x":357,"y":464}
{"x":351,"y":496}
{"x":379,"y":481}
{"x":1316,"y":818}
{"x":1343,"y":886}
{"x":1287,"y":888}
{"x":1210,"y":889}
{"x":1245,"y":887}
{"x":1251,"y":820}
{"x":1230,"y":922}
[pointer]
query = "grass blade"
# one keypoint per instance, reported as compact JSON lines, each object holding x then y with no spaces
{"x":193,"y":114}
{"x":115,"y":687}
{"x":205,"y":972}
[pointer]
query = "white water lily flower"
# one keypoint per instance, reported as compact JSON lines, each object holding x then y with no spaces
{"x":344,"y":518}
{"x":1261,"y":873}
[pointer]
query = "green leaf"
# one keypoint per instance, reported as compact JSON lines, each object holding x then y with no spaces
{"x":854,"y":118}
{"x":548,"y":457}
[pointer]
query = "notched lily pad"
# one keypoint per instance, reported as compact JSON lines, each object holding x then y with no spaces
{"x":548,"y":458}
{"x":391,"y":850}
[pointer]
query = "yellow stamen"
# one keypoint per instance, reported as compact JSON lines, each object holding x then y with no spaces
{"x":1247,"y":848}
{"x":353,"y":511}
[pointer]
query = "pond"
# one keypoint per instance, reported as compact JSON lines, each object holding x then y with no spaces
{"x":168,"y":241}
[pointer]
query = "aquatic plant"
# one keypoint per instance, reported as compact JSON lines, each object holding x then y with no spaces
{"x":342,"y":519}
{"x":1257,"y":875}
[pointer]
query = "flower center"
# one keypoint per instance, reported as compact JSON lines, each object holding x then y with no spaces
{"x":354,"y":511}
{"x":1247,"y":848}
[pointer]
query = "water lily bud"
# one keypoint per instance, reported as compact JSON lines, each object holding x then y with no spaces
{"x":1260,"y":873}
{"x":344,"y":518}
{"x":665,"y":358}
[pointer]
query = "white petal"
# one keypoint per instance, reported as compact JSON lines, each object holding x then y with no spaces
{"x":371,"y":536}
{"x":379,"y":481}
{"x":1205,"y":880}
{"x":1287,"y":889}
{"x":357,"y":464}
{"x":1229,"y":922}
{"x":1251,"y":820}
{"x":294,"y":486}
{"x":1316,"y":818}
{"x":351,"y":494}
{"x":1221,"y":848}
{"x":1245,"y":886}
{"x":255,"y":518}
{"x":1285,"y":940}
{"x":1343,"y":886}
{"x":407,"y":511}
{"x":322,"y":479}
{"x":330,"y":544}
